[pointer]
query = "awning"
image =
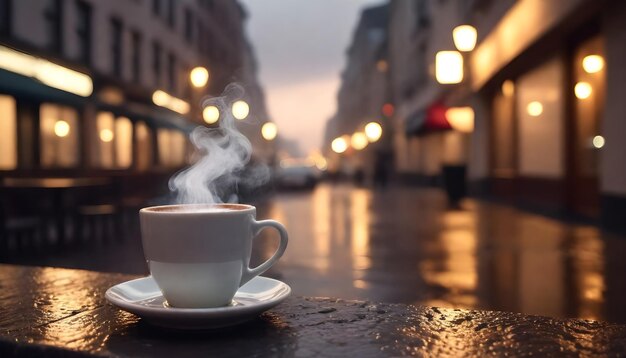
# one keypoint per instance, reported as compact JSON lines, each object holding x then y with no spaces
{"x":429,"y":120}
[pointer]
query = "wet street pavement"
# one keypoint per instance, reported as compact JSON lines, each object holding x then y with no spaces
{"x":405,"y":245}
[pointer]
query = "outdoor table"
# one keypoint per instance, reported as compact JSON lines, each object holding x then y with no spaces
{"x":58,"y":187}
{"x":53,"y":312}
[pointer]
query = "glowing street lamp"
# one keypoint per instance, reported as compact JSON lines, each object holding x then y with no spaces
{"x":210,"y":114}
{"x":449,"y":67}
{"x":61,"y":128}
{"x":339,"y":145}
{"x":240,"y":109}
{"x":464,"y":37}
{"x":373,"y":131}
{"x":269,"y":131}
{"x":359,"y":141}
{"x":199,"y":77}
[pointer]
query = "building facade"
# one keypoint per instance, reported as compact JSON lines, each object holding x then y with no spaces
{"x":363,"y":92}
{"x":543,"y":83}
{"x":97,"y":86}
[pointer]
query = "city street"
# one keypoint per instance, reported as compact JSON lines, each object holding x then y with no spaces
{"x":404,"y":245}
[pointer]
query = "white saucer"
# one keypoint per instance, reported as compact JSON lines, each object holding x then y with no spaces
{"x":143,"y":298}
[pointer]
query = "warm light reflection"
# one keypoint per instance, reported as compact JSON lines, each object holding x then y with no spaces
{"x":583,"y":90}
{"x":61,"y":128}
{"x":240,"y":110}
{"x":339,"y":145}
{"x":534,"y":108}
{"x":461,"y":118}
{"x":458,"y":272}
{"x":269,"y":131}
{"x":593,"y":63}
{"x":373,"y":131}
{"x":508,"y":88}
{"x":598,"y":141}
{"x":199,"y":77}
{"x":360,"y":218}
{"x":449,"y":67}
{"x":359,"y":141}
{"x":45,"y":71}
{"x":210,"y":114}
{"x":464,"y":37}
{"x":106,"y":135}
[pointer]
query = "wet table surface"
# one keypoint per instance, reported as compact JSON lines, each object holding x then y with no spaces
{"x":61,"y":312}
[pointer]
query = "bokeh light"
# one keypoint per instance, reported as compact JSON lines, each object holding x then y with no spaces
{"x":449,"y":67}
{"x":210,"y":114}
{"x":339,"y":145}
{"x":593,"y":63}
{"x":240,"y":109}
{"x":106,"y":135}
{"x":464,"y":37}
{"x":508,"y":88}
{"x":583,"y":90}
{"x":598,"y":141}
{"x":534,"y":108}
{"x":199,"y":77}
{"x":269,"y":131}
{"x":61,"y":128}
{"x":359,"y":141}
{"x":373,"y":131}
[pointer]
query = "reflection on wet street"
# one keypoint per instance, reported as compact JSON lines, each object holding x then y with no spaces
{"x":405,"y":245}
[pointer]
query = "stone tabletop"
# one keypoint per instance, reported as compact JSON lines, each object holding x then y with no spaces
{"x":61,"y":312}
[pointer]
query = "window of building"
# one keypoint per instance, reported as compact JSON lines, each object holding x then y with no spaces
{"x":189,"y":25}
{"x":59,"y":136}
{"x":112,"y":142}
{"x":171,"y":13}
{"x":156,"y":63}
{"x":540,"y":121}
{"x":83,"y":30}
{"x":136,"y":56}
{"x":54,"y":24}
{"x":116,"y":46}
{"x":171,"y":71}
{"x":172,"y":146}
{"x":5,"y":17}
{"x":144,"y":146}
{"x":8,"y":128}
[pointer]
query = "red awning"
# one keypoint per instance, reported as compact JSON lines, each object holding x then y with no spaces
{"x":432,"y":119}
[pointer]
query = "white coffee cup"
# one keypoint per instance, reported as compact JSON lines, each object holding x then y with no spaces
{"x":199,"y":255}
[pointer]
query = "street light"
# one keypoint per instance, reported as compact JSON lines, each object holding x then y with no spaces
{"x":199,"y":77}
{"x":339,"y":145}
{"x":269,"y":131}
{"x":210,"y":114}
{"x":240,"y":109}
{"x":359,"y":141}
{"x":373,"y":131}
{"x":464,"y":37}
{"x":449,"y":67}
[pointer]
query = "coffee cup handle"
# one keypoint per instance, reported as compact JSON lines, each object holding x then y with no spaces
{"x":257,"y":226}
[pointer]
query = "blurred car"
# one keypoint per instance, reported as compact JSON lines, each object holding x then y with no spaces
{"x":297,"y":174}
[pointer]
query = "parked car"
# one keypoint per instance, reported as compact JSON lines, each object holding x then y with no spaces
{"x":297,"y":174}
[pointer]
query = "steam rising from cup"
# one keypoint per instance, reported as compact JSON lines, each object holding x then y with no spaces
{"x":222,"y":157}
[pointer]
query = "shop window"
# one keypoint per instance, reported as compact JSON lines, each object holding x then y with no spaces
{"x":113,"y":141}
{"x":589,"y":92}
{"x":539,"y":107}
{"x":172,"y":148}
{"x":8,"y":128}
{"x":144,"y":146}
{"x":59,"y":135}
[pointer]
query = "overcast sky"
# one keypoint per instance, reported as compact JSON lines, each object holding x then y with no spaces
{"x":300,"y":46}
